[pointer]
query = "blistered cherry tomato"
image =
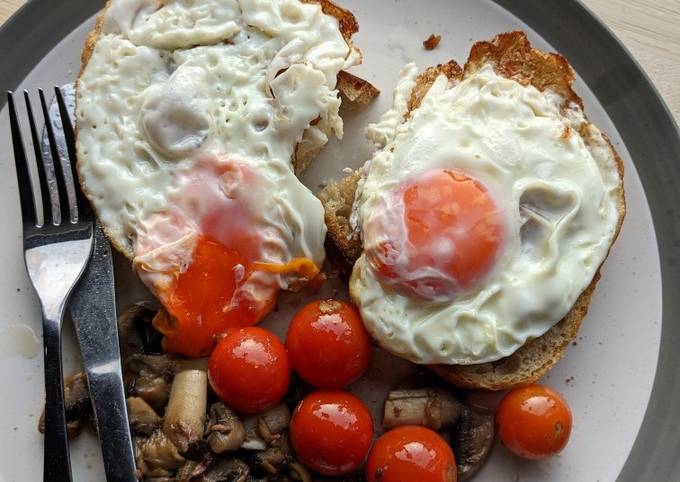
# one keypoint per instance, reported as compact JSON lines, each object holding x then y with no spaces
{"x":331,"y":431}
{"x":411,"y":454}
{"x":534,"y":422}
{"x":250,"y":370}
{"x":328,"y":344}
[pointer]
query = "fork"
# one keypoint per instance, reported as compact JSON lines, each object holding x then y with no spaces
{"x":57,"y":247}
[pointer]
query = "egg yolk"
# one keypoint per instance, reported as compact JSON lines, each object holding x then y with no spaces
{"x":448,"y":238}
{"x":205,"y":300}
{"x":209,"y":299}
{"x":226,"y":281}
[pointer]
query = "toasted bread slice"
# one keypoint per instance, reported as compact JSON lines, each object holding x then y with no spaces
{"x":356,"y":92}
{"x":512,"y":56}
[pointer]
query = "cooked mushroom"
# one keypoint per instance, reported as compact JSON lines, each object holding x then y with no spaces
{"x":143,"y":419}
{"x":269,"y":461}
{"x":224,"y":430}
{"x":253,"y":439}
{"x":135,"y":332}
{"x":223,"y":470}
{"x":185,"y":414}
{"x":271,"y":423}
{"x":472,"y":441}
{"x":78,"y":409}
{"x":299,"y":472}
{"x":150,"y":376}
{"x":284,"y":444}
{"x":157,"y":456}
{"x":194,"y":468}
{"x":431,"y":407}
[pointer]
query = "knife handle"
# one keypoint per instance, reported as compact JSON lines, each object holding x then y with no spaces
{"x":108,"y":400}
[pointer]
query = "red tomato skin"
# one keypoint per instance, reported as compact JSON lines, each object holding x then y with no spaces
{"x":250,"y":370}
{"x":534,"y":422}
{"x":331,"y":432}
{"x":328,"y":344}
{"x":411,"y":453}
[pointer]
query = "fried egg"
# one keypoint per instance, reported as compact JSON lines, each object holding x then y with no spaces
{"x":188,"y":117}
{"x":483,"y":217}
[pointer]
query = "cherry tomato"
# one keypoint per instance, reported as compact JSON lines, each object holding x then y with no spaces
{"x":250,"y":370}
{"x":534,"y":422}
{"x":331,"y":431}
{"x":328,"y":344}
{"x":411,"y":454}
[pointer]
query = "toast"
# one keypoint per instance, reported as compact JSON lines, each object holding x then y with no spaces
{"x":511,"y":56}
{"x":355,"y":92}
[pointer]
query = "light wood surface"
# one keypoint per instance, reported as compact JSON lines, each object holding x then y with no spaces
{"x":8,"y":7}
{"x":649,"y":28}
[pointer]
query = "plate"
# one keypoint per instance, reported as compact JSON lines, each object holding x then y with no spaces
{"x":609,"y":371}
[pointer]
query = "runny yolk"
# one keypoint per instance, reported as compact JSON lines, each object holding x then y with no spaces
{"x":202,"y":302}
{"x":206,"y":300}
{"x":226,"y":284}
{"x":305,"y":267}
{"x":453,"y":235}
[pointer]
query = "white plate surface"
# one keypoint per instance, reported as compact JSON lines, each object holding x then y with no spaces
{"x":607,"y":374}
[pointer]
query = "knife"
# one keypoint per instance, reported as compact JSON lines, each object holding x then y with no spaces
{"x":93,"y":310}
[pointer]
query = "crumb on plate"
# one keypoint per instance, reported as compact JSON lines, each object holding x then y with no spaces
{"x":432,"y":42}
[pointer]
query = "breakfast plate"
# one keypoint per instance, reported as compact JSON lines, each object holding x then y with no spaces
{"x":624,"y":352}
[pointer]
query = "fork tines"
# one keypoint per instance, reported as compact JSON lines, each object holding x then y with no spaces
{"x":57,"y":176}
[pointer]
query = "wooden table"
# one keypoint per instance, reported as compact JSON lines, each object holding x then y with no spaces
{"x":649,"y":28}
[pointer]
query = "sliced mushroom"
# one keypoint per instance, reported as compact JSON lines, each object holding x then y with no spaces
{"x":269,"y":461}
{"x":284,"y":444}
{"x":431,"y":407}
{"x":135,"y":331}
{"x":150,"y":376}
{"x":224,"y":430}
{"x":472,"y":441}
{"x":271,"y":423}
{"x":299,"y":472}
{"x":78,"y":409}
{"x":157,"y":456}
{"x":226,"y":470}
{"x":143,"y":419}
{"x":184,"y":419}
{"x":253,"y":439}
{"x":194,"y":468}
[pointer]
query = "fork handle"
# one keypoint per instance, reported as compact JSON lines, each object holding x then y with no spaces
{"x":57,"y":465}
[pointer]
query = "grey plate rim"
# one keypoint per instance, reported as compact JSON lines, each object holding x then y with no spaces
{"x":625,"y":92}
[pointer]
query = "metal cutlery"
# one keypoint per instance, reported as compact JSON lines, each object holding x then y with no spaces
{"x":93,"y":309}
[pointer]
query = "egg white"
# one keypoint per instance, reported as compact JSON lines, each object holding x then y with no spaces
{"x":170,"y":84}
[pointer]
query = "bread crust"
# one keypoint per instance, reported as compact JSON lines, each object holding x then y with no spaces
{"x":357,"y":93}
{"x":357,"y":88}
{"x":512,"y":56}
